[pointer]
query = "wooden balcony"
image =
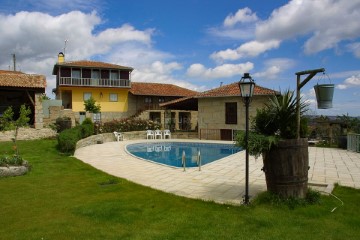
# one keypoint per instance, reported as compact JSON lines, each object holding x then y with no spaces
{"x":90,"y":82}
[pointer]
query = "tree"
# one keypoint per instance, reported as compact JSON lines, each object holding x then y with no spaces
{"x":8,"y":123}
{"x":91,"y":107}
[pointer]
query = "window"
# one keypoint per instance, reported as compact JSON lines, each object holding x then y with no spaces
{"x":161,"y":99}
{"x":148,"y":100}
{"x":87,"y":96}
{"x":113,"y":97}
{"x":95,"y":74}
{"x":231,"y":113}
{"x":75,"y":73}
{"x":114,"y":75}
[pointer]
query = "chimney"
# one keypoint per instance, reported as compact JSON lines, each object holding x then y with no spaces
{"x":61,"y":57}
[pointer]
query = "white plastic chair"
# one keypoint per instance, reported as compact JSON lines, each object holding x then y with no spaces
{"x":158,"y":133}
{"x":119,"y":136}
{"x":167,"y":133}
{"x":149,"y":133}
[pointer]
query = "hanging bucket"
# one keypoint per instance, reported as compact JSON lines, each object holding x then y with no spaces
{"x":324,"y":95}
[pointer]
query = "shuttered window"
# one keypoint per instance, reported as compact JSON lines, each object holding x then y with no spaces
{"x":231,"y":113}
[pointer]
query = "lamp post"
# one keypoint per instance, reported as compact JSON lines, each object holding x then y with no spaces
{"x":246,"y":85}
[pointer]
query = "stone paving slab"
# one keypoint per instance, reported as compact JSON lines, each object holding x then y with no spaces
{"x":222,"y":181}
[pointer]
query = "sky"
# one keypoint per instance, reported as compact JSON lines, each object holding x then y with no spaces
{"x":196,"y":44}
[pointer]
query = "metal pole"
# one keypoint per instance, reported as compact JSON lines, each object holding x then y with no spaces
{"x":246,"y":199}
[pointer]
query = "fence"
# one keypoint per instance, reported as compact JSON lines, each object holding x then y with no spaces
{"x":353,"y":142}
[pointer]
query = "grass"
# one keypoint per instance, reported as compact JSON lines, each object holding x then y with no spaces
{"x":63,"y":198}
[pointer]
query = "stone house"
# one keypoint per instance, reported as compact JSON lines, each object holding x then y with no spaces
{"x":18,"y":88}
{"x":221,"y":111}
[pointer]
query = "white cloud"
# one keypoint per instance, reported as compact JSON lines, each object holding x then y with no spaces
{"x":325,"y":24}
{"x":249,"y":49}
{"x":36,"y":48}
{"x":241,"y":16}
{"x":222,"y":71}
{"x":350,"y":82}
{"x":354,"y":48}
{"x":273,"y":67}
{"x":328,"y":22}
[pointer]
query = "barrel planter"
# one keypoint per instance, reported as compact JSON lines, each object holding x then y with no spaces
{"x":324,"y":95}
{"x":286,"y":168}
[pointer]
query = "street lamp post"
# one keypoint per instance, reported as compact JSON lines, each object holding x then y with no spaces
{"x":246,"y":85}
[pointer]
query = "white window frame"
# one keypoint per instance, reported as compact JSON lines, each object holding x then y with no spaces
{"x":87,"y":95}
{"x":113,"y":97}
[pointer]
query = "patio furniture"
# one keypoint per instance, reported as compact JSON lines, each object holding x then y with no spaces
{"x":119,"y":136}
{"x":149,"y":133}
{"x":158,"y":133}
{"x":167,"y":133}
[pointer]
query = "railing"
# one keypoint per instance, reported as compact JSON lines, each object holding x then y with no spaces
{"x":353,"y":142}
{"x":94,"y":82}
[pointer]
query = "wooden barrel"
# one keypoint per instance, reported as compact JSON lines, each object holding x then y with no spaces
{"x":286,"y":168}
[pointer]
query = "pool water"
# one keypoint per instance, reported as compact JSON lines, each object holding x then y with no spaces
{"x":170,"y":153}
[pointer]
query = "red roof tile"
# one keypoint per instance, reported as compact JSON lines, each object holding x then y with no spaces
{"x":233,"y":90}
{"x":21,"y":80}
{"x":160,"y":89}
{"x":90,"y":64}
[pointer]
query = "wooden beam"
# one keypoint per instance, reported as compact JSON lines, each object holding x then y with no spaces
{"x":29,"y":96}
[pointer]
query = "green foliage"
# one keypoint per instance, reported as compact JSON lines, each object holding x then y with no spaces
{"x":351,"y":123}
{"x":90,"y":106}
{"x":87,"y":121}
{"x":62,"y":123}
{"x":67,"y":140}
{"x":257,"y":144}
{"x":130,"y":124}
{"x":12,"y":160}
{"x":276,"y":120}
{"x":87,"y":128}
{"x":9,"y":123}
{"x":312,"y":197}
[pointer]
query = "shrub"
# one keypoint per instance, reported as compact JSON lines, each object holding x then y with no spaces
{"x":68,"y":138}
{"x":86,"y":129}
{"x":63,"y":123}
{"x":130,"y":124}
{"x":11,"y":160}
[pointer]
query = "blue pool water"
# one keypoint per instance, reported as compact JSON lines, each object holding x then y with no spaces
{"x":170,"y":153}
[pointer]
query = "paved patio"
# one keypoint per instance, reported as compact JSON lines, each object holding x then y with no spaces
{"x":222,"y":181}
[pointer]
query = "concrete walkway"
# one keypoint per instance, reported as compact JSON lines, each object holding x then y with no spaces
{"x":222,"y":181}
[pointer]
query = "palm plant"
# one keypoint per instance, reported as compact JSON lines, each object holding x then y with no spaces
{"x":275,"y":121}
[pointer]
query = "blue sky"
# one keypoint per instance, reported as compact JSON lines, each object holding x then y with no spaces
{"x":194,"y":44}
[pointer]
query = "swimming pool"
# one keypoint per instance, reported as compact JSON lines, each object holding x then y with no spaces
{"x":170,"y":153}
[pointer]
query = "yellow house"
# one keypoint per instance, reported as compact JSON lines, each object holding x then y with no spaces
{"x":108,"y":84}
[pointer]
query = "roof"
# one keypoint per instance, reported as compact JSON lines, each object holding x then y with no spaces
{"x":90,"y":64}
{"x":21,"y":80}
{"x":185,"y":103}
{"x":160,"y":89}
{"x":233,"y":90}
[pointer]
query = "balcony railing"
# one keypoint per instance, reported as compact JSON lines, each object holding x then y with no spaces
{"x":68,"y":81}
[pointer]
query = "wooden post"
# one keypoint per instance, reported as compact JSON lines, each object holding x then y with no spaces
{"x":299,"y":85}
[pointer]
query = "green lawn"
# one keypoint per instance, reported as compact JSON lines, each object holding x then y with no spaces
{"x":63,"y":198}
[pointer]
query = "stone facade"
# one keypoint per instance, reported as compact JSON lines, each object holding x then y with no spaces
{"x":211,"y":112}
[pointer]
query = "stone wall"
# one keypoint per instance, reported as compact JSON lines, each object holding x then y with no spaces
{"x":211,"y":112}
{"x":28,"y":134}
{"x":135,"y":135}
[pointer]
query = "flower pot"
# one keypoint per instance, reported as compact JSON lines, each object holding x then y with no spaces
{"x":324,"y":95}
{"x":286,"y":168}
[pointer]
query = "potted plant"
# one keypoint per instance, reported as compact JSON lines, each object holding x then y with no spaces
{"x":273,"y":135}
